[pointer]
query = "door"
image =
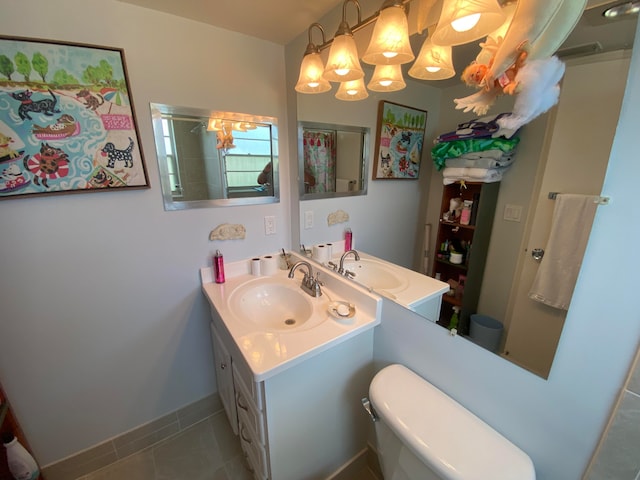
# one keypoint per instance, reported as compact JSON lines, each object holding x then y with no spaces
{"x":224,"y":377}
{"x":578,"y":142}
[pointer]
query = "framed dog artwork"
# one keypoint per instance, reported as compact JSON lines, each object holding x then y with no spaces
{"x":399,"y":141}
{"x":67,"y":122}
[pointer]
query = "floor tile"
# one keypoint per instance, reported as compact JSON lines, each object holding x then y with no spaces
{"x":191,"y":455}
{"x":136,"y":467}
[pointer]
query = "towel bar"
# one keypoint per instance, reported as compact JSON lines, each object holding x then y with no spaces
{"x":597,"y":199}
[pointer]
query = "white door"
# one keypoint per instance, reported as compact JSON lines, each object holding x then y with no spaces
{"x":578,"y":142}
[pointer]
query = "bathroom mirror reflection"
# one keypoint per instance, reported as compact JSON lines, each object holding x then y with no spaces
{"x":334,"y":159}
{"x":209,"y":158}
{"x":532,"y":330}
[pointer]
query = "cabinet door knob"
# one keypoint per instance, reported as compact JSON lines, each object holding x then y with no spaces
{"x":537,"y":254}
{"x":223,"y":365}
{"x":239,"y":402}
{"x":242,"y":435}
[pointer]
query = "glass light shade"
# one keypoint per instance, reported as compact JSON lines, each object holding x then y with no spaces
{"x":508,"y":10}
{"x":310,"y":79}
{"x":456,"y":26}
{"x":434,"y":62}
{"x":352,"y":90}
{"x":343,"y":64}
{"x":214,"y":125}
{"x":486,"y":54}
{"x":387,"y":78}
{"x":389,"y":43}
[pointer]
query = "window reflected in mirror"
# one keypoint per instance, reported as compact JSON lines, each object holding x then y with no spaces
{"x":333,"y":158}
{"x":214,"y":158}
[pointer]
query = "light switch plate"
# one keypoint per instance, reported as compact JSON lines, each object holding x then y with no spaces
{"x":269,"y":225}
{"x":308,"y":219}
{"x":512,"y":213}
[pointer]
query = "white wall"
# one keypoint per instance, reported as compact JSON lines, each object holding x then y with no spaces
{"x":557,"y":421}
{"x":103,"y":324}
{"x":110,"y":330}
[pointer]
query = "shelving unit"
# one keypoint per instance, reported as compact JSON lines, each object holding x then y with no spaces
{"x":472,"y":241}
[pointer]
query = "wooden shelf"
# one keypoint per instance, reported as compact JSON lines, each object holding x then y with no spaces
{"x":461,"y":266}
{"x":453,"y":300}
{"x":457,"y":225}
{"x":472,"y":240}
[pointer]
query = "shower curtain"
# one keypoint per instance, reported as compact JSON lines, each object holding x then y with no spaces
{"x":319,"y":161}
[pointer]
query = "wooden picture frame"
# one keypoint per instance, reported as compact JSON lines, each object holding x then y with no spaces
{"x":67,"y":121}
{"x":399,"y":141}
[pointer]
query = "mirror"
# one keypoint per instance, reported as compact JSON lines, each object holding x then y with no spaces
{"x":208,"y":158}
{"x":334,"y":159}
{"x":506,"y":257}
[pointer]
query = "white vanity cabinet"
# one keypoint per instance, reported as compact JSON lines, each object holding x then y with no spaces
{"x":222,"y":361}
{"x":305,"y":421}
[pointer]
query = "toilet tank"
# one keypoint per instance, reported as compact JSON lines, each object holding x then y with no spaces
{"x":435,"y":430}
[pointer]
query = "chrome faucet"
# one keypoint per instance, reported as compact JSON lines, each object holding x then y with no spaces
{"x":309,"y":284}
{"x":356,"y":255}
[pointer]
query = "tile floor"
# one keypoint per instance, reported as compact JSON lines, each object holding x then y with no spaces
{"x":206,"y":451}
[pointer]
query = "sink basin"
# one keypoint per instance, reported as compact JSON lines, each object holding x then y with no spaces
{"x":375,"y":275}
{"x":273,"y":304}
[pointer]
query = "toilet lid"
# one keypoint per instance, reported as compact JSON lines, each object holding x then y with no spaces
{"x":448,"y":438}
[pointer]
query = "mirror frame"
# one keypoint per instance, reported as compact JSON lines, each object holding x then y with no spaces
{"x":159,"y":111}
{"x":364,"y":164}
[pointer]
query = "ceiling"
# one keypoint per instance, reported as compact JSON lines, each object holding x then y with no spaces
{"x":281,"y":21}
{"x":278,"y":21}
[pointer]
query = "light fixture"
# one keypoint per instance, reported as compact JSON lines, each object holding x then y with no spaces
{"x":434,"y":62}
{"x":487,"y":53}
{"x":352,"y":90}
{"x":214,"y":125}
{"x":387,"y":78}
{"x":463,"y":21}
{"x":312,"y":68}
{"x":629,"y":8}
{"x":389,"y":43}
{"x":343,"y":64}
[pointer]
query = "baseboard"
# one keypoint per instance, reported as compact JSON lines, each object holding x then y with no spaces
{"x":366,"y":458}
{"x":133,"y":441}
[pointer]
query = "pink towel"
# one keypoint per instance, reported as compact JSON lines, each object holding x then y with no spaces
{"x":570,"y":229}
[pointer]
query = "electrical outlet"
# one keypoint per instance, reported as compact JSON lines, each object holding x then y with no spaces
{"x":308,"y":219}
{"x":269,"y":225}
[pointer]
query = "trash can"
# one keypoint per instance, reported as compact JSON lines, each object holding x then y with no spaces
{"x":486,"y":331}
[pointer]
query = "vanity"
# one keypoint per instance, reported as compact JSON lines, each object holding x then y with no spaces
{"x":292,"y":391}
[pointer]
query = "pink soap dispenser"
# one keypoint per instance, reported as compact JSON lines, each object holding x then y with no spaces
{"x":218,"y":267}
{"x":348,"y":239}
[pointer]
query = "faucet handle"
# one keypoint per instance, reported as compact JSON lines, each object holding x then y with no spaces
{"x":333,"y":266}
{"x":349,"y":274}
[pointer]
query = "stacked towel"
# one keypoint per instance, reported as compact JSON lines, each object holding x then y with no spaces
{"x":443,"y":151}
{"x":473,"y":152}
{"x":485,"y":175}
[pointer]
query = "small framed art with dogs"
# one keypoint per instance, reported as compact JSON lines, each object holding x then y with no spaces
{"x":67,"y":121}
{"x":399,"y":141}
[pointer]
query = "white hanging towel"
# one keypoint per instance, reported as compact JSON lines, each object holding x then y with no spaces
{"x":570,"y":228}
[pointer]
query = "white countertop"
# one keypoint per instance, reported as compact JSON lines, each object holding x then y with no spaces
{"x":270,"y":352}
{"x":415,"y":289}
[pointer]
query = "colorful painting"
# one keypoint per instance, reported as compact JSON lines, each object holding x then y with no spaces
{"x":67,"y":123}
{"x":399,"y":141}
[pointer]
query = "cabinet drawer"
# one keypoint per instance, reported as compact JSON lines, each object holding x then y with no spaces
{"x":243,"y":375}
{"x":253,"y":417}
{"x":253,"y":449}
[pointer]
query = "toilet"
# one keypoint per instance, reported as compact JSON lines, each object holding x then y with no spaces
{"x":423,"y":434}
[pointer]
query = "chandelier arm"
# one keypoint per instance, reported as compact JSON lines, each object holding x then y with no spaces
{"x":361,"y":23}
